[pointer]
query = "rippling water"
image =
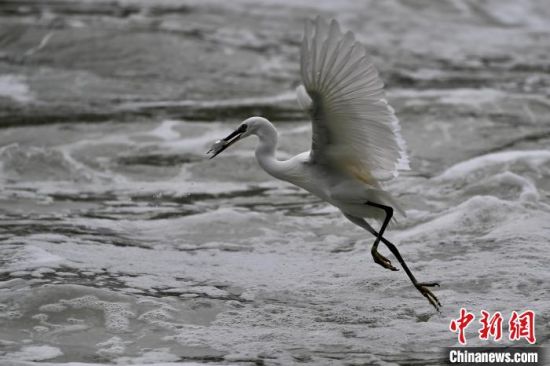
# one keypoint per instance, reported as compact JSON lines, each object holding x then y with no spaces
{"x":122,"y":244}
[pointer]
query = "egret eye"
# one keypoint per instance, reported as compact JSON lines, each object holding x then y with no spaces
{"x":243,"y":128}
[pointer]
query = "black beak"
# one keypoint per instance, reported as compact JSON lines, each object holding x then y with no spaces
{"x":221,"y":145}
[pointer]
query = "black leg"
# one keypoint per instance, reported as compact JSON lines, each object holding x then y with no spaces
{"x":422,"y":287}
{"x":379,"y":258}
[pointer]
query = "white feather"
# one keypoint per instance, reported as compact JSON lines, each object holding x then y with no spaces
{"x":355,"y":130}
{"x":303,"y":98}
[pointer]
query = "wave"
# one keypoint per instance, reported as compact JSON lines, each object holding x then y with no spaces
{"x":42,"y":164}
{"x":487,"y":195}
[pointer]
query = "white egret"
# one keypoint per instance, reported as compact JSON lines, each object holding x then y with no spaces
{"x":356,"y":137}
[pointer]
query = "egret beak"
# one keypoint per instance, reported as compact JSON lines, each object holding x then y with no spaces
{"x":221,"y":145}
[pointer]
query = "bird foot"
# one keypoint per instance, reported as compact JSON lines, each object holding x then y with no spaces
{"x":423,"y":288}
{"x":383,"y":261}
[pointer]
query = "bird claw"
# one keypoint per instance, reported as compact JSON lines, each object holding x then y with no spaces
{"x":422,"y":287}
{"x":383,"y":261}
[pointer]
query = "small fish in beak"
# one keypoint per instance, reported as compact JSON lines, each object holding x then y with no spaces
{"x":220,"y":145}
{"x":216,"y":148}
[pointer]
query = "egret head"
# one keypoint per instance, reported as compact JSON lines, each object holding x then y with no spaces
{"x":246,"y":128}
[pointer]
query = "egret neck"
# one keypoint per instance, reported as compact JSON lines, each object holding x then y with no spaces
{"x":265,"y":150}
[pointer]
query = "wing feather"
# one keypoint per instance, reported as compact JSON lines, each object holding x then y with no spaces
{"x":354,"y":127}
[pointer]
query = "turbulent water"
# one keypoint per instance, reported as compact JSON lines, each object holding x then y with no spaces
{"x":123,"y":244}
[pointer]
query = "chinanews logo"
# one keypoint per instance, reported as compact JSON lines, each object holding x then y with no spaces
{"x":516,"y":327}
{"x":520,"y":326}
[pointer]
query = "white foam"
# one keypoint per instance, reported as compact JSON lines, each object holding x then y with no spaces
{"x":514,"y":14}
{"x":209,"y":291}
{"x":117,"y":315}
{"x":458,"y":96}
{"x":166,"y":130}
{"x":530,"y":229}
{"x":156,"y":315}
{"x":287,"y":96}
{"x":30,"y":257}
{"x":114,"y":346}
{"x":227,"y":215}
{"x":472,"y":96}
{"x":39,"y":164}
{"x":150,"y":357}
{"x":31,"y":51}
{"x":503,"y":160}
{"x":528,"y":190}
{"x":15,"y":88}
{"x":477,"y":214}
{"x":37,"y":353}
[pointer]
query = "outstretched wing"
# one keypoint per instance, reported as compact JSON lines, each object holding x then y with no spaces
{"x":354,"y":128}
